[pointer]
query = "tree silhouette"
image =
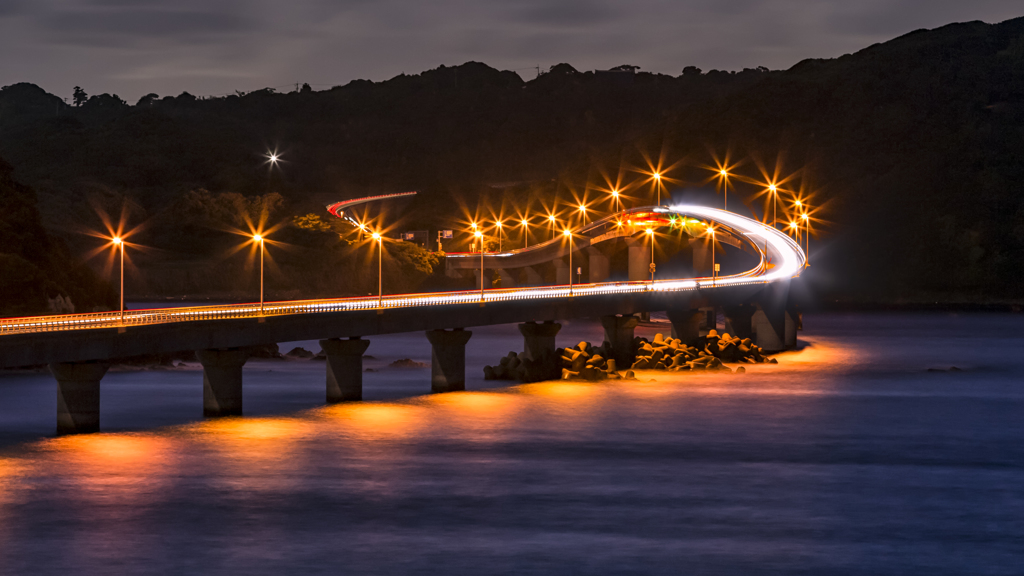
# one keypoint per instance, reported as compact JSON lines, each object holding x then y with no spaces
{"x":79,"y":96}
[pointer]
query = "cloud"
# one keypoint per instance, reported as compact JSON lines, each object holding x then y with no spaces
{"x":128,"y":26}
{"x":133,"y":47}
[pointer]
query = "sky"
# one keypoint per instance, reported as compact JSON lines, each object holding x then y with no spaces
{"x":215,"y":47}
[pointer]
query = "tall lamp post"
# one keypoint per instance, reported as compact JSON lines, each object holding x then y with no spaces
{"x":480,"y":235}
{"x":807,"y":240}
{"x":618,"y":204}
{"x":498,"y":224}
{"x":551,"y":220}
{"x":120,"y":245}
{"x":583,"y":211}
{"x":568,"y":234}
{"x":526,"y":232}
{"x":774,"y":190}
{"x":380,"y":268}
{"x":259,"y":240}
{"x":725,"y":187}
{"x":657,"y":186}
{"x":714,"y":268}
{"x":650,"y":234}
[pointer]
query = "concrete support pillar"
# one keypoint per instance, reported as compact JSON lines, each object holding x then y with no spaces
{"x":618,"y":331}
{"x":600,"y":267}
{"x":539,"y":339}
{"x":701,"y":256}
{"x":686,"y":324}
{"x":488,"y":276}
{"x":448,"y":359}
{"x":562,"y":271}
{"x":639,"y":259}
{"x":739,"y":320}
{"x":222,"y":381}
{"x":507,"y":281}
{"x":533,"y":278}
{"x":344,"y":368}
{"x":78,"y":395}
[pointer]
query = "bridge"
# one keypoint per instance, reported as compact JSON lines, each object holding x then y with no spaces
{"x":79,"y":348}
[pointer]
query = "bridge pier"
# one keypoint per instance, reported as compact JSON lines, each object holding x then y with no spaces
{"x":344,"y":368}
{"x":639,"y":259}
{"x":739,"y":320}
{"x":599,"y":265}
{"x":562,"y":271}
{"x":539,"y":339}
{"x":618,"y":331}
{"x":686,"y":323}
{"x":78,"y":395}
{"x":768,"y":334}
{"x":448,"y":359}
{"x":533,"y":278}
{"x":222,"y":381}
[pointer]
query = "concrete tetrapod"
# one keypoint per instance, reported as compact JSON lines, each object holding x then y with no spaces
{"x":344,"y":368}
{"x":448,"y":359}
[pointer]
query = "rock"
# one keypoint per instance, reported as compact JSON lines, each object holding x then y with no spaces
{"x":954,"y":369}
{"x":659,"y":338}
{"x":569,"y":374}
{"x":630,"y":375}
{"x":773,"y":361}
{"x":741,"y":370}
{"x":611,"y":365}
{"x":265,"y":351}
{"x":408,"y":363}
{"x":489,"y":373}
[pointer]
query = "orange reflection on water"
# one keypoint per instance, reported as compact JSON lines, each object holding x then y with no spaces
{"x":255,"y":454}
{"x":11,"y":472}
{"x":479,"y":416}
{"x":124,"y":473}
{"x":376,"y":421}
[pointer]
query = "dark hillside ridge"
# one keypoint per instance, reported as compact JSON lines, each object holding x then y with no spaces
{"x":915,"y":147}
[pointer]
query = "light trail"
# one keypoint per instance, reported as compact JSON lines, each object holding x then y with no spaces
{"x":774,"y":246}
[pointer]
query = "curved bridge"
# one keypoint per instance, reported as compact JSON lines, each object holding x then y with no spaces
{"x":780,"y":256}
{"x":80,"y":347}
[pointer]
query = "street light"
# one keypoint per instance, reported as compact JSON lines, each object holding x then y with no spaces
{"x":583,"y":210}
{"x":714,"y":267}
{"x":807,"y":240}
{"x":551,"y":219}
{"x":380,"y":268}
{"x":526,"y":232}
{"x":568,"y":234}
{"x":259,"y":240}
{"x":775,"y":203}
{"x":657,"y":186}
{"x":480,"y":235}
{"x":650,"y":232}
{"x":724,"y":174}
{"x":498,"y":224}
{"x":618,"y":204}
{"x":117,"y":241}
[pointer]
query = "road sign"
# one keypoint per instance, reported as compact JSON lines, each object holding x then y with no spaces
{"x":446,"y":234}
{"x":653,"y":268}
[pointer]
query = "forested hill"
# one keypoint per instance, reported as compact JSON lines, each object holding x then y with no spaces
{"x":913,"y":148}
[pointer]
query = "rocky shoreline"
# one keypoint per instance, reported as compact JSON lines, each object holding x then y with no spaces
{"x":592,"y":363}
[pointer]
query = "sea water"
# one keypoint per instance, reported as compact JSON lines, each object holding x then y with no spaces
{"x":848,"y":457}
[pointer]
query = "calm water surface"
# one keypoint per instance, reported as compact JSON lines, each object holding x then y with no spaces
{"x":849,"y":457}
